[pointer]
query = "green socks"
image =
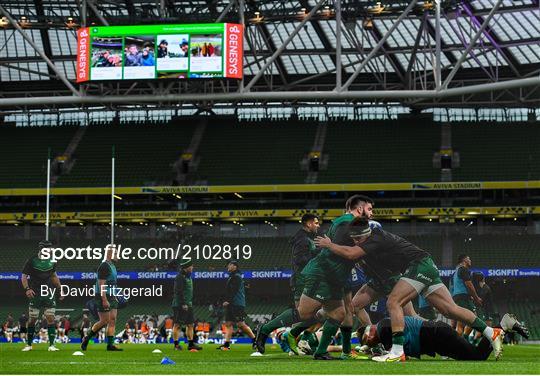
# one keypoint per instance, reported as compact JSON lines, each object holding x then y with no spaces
{"x":479,"y":325}
{"x":51,"y":332}
{"x":31,"y":331}
{"x":330,"y":329}
{"x":286,"y":318}
{"x":298,"y":329}
{"x":346,"y":332}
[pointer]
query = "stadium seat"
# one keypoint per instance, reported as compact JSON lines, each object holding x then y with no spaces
{"x":381,"y":152}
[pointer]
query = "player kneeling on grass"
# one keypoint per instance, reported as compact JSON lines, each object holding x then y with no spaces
{"x":433,"y":337}
{"x":42,"y":272}
{"x":235,"y":305}
{"x":105,"y":300}
{"x":183,"y":305}
{"x":387,"y":251}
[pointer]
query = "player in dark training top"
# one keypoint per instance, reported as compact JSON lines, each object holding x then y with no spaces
{"x":463,"y":291}
{"x":38,"y":272}
{"x":385,"y":251}
{"x":182,"y":305}
{"x":427,"y":338}
{"x":303,"y":250}
{"x":487,"y":311}
{"x":235,"y":305}
{"x":106,"y":300}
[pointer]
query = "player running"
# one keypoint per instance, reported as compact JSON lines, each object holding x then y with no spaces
{"x":235,"y":305}
{"x":420,"y":276}
{"x":431,"y":338}
{"x":183,"y":306}
{"x":38,"y":272}
{"x":105,"y":300}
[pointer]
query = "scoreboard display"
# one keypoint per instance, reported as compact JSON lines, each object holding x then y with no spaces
{"x":160,"y":51}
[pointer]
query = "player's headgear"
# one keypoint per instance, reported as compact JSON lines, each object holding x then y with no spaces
{"x":234,"y":262}
{"x":462,"y":257}
{"x":359,"y":228}
{"x":374,"y":224}
{"x":164,"y":41}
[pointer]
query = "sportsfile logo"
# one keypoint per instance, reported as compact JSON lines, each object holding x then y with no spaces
{"x":119,"y":252}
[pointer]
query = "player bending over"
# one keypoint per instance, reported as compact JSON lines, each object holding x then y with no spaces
{"x":420,"y":276}
{"x":39,"y":272}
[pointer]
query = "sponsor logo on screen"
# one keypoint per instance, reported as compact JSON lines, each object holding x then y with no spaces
{"x":83,"y":54}
{"x":234,"y":37}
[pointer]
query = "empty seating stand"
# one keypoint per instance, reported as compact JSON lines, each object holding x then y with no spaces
{"x":381,"y":152}
{"x":505,"y":251}
{"x":144,"y":154}
{"x":496,"y":151}
{"x":24,"y":151}
{"x":254,"y":153}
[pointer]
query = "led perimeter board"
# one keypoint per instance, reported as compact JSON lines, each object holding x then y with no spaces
{"x":159,"y":51}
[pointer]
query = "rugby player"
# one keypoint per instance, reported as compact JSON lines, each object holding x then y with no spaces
{"x":463,"y":291}
{"x":428,"y":338}
{"x":487,"y":310}
{"x":323,"y":280}
{"x":235,"y":305}
{"x":419,"y":276}
{"x":182,"y":306}
{"x":303,"y":250}
{"x":38,"y":272}
{"x":105,"y":300}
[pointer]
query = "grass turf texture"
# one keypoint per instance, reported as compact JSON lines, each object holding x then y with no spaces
{"x":138,"y":359}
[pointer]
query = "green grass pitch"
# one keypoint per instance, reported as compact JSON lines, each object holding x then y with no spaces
{"x":139,"y":359}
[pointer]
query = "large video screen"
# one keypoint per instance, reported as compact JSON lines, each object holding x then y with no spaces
{"x":160,"y":51}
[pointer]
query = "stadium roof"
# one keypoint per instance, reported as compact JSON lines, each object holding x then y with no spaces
{"x":296,"y":47}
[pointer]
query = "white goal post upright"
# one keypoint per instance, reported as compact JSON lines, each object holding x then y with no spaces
{"x":112,"y":195}
{"x":48,"y":198}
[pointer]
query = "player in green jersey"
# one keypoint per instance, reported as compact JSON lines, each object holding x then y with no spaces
{"x":39,"y":275}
